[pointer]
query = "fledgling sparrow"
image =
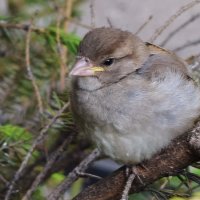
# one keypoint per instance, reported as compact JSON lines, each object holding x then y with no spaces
{"x":131,"y":97}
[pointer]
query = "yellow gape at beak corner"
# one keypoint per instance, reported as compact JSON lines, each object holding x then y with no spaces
{"x":97,"y":69}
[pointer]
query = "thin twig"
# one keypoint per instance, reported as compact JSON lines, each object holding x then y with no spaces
{"x":24,"y":27}
{"x":29,"y":70}
{"x":73,"y":175}
{"x":162,"y":187}
{"x":76,"y":22}
{"x":109,"y":22}
{"x":62,"y":54}
{"x":173,"y":18}
{"x":92,"y":13}
{"x":188,"y":44}
{"x":47,"y":167}
{"x":182,"y":26}
{"x":68,"y":12}
{"x":128,"y":186}
{"x":62,"y":50}
{"x":144,"y":25}
{"x":4,"y":180}
{"x":167,"y":180}
{"x":39,"y":139}
{"x":88,"y":175}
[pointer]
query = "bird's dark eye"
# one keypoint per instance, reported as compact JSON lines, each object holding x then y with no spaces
{"x":108,"y":62}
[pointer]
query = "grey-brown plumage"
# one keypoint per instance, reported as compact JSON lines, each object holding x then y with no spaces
{"x":132,"y":98}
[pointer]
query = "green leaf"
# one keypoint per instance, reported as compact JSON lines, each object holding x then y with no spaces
{"x":69,"y":39}
{"x":56,"y":178}
{"x":14,"y":132}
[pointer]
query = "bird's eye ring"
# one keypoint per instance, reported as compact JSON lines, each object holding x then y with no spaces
{"x":108,"y":62}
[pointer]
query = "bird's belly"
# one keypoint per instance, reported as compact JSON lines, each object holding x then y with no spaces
{"x":129,"y":149}
{"x":132,"y":125}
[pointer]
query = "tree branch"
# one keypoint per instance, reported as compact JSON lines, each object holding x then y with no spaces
{"x":179,"y":28}
{"x":183,"y":9}
{"x":29,"y":69}
{"x":178,"y":155}
{"x":39,"y":139}
{"x":73,"y":175}
{"x":144,"y":25}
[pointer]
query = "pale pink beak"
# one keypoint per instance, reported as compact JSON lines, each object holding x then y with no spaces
{"x":82,"y":67}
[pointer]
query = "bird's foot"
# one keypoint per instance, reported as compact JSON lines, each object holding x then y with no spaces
{"x":131,"y":174}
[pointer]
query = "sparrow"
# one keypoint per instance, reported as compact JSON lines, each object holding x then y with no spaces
{"x":130,"y":97}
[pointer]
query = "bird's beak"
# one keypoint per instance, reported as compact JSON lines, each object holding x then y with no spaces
{"x":84,"y":67}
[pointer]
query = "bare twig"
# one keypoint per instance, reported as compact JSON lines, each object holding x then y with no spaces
{"x":183,"y":9}
{"x":109,"y":22}
{"x":24,"y":27}
{"x":73,"y":175}
{"x":162,"y":187}
{"x":92,"y":13}
{"x":62,"y":54}
{"x":88,"y":175}
{"x":47,"y":167}
{"x":189,"y":21}
{"x":68,"y":12}
{"x":3,"y":179}
{"x":144,"y":25}
{"x":29,"y":70}
{"x":76,"y":22}
{"x":39,"y":139}
{"x":188,"y":44}
{"x":62,"y":50}
{"x":128,"y":186}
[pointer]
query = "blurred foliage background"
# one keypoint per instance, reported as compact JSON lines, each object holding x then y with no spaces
{"x":21,"y":116}
{"x":32,"y":93}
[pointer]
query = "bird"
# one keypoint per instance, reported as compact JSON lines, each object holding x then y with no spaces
{"x":132,"y":98}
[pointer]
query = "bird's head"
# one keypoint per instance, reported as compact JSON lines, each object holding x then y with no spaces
{"x":108,"y":54}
